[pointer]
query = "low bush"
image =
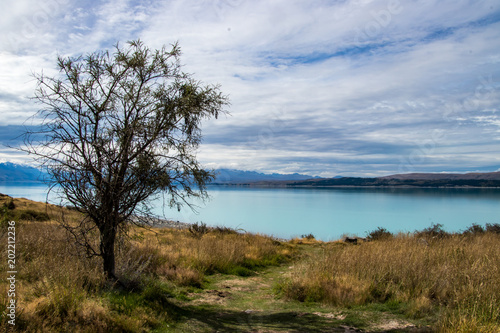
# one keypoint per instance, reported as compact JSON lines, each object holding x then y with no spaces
{"x":493,"y":228}
{"x":379,"y":234}
{"x":9,"y":204}
{"x":308,"y":236}
{"x":32,"y":215}
{"x":434,"y":231}
{"x":474,"y":229}
{"x":222,"y":230}
{"x":197,"y":230}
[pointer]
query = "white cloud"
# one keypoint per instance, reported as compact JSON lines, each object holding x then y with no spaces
{"x":331,"y":87}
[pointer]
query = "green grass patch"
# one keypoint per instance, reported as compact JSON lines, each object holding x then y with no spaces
{"x":240,"y":271}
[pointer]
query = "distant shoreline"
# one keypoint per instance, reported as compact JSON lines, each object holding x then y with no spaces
{"x":291,"y":185}
{"x":471,"y":180}
{"x":353,"y":186}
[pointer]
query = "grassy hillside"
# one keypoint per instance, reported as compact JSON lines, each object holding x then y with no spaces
{"x":216,"y":279}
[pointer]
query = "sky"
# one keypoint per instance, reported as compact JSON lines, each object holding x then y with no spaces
{"x":324,"y":88}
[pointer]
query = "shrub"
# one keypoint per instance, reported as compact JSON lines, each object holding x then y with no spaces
{"x":379,"y":234}
{"x":434,"y":231}
{"x":9,"y":204}
{"x":309,"y":237}
{"x":493,"y":228}
{"x":33,"y":215}
{"x":197,"y":230}
{"x":474,"y":229}
{"x":5,"y":217}
{"x":224,"y":230}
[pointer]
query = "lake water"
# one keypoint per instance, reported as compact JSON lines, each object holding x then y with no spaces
{"x":328,"y":213}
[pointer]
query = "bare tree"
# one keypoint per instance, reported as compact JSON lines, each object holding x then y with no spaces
{"x":118,"y":129}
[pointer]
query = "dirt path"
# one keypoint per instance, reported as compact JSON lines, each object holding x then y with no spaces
{"x":249,"y":304}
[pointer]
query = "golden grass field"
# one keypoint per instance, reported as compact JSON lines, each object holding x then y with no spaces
{"x":457,"y":276}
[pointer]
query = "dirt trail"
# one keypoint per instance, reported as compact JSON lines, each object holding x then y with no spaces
{"x":249,"y":304}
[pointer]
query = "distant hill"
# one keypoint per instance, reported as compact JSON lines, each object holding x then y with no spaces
{"x":11,"y":172}
{"x":231,"y":176}
{"x":451,"y":176}
{"x":489,"y":179}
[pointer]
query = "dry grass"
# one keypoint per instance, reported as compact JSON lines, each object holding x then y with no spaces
{"x":59,"y":289}
{"x":459,"y":274}
{"x":186,"y":258}
{"x":452,"y":279}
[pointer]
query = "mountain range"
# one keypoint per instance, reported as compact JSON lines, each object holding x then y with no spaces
{"x":232,"y":176}
{"x":11,"y":172}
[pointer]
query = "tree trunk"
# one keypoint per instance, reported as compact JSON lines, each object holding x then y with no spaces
{"x":108,"y":236}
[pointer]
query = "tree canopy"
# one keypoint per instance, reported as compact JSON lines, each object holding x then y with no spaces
{"x":118,"y":129}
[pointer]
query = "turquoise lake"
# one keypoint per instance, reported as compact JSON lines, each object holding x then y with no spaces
{"x":327,"y":213}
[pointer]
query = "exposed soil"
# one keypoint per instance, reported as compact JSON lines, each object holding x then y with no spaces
{"x":250,"y":304}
